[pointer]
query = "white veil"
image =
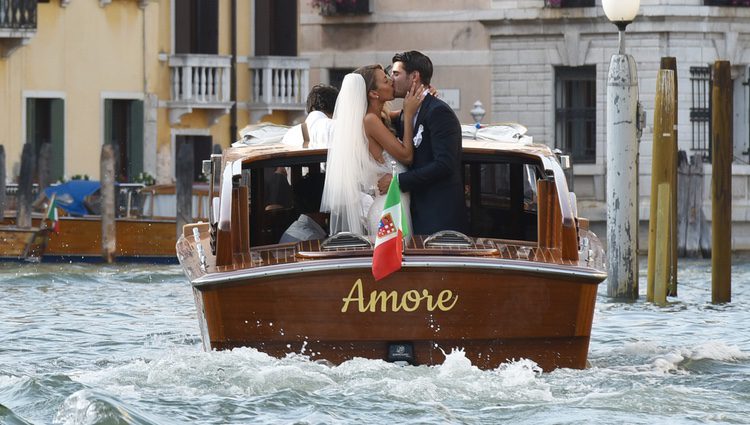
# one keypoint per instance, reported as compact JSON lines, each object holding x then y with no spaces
{"x":349,"y":169}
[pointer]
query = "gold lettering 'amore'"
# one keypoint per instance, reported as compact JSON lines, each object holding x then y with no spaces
{"x":392,"y":301}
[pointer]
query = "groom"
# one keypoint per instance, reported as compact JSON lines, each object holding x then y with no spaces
{"x":434,"y":178}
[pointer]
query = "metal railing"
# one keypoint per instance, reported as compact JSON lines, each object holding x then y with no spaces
{"x":18,"y":14}
{"x":200,"y":78}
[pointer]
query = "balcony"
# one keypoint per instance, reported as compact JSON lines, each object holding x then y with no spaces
{"x":199,"y":82}
{"x":17,"y":24}
{"x":277,"y":83}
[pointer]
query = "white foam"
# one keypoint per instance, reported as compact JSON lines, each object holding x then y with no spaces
{"x":718,"y":350}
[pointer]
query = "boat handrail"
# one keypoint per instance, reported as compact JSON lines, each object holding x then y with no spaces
{"x":448,"y":238}
{"x":346,"y":240}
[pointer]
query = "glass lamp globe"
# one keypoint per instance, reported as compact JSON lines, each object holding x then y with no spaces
{"x":621,"y":12}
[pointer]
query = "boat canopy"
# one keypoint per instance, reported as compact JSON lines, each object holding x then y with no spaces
{"x":70,"y":195}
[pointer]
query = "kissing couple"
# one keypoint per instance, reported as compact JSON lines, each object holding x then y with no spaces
{"x":420,"y":145}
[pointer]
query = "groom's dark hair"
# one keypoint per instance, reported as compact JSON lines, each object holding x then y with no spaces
{"x":415,"y":61}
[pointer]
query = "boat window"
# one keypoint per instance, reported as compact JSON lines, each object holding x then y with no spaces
{"x":501,"y":200}
{"x":284,"y":194}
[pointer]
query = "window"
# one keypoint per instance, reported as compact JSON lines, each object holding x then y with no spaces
{"x":276,"y":28}
{"x":575,"y":112}
{"x":201,"y":146}
{"x":700,"y":110}
{"x":739,"y":3}
{"x":502,"y":199}
{"x":123,"y":128}
{"x":342,"y":7}
{"x":569,"y":3}
{"x":197,"y":26}
{"x":745,"y":153}
{"x":45,"y":127}
{"x":284,"y":189}
{"x":336,"y":76}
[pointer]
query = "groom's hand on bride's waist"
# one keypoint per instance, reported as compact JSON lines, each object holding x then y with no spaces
{"x":383,"y":183}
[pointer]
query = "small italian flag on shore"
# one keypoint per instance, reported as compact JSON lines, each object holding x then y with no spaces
{"x":52,"y":215}
{"x":392,"y":230}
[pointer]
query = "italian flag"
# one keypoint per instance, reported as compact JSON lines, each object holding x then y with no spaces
{"x":52,"y":215}
{"x":392,"y":231}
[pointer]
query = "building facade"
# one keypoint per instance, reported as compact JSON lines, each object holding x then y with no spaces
{"x":145,"y":76}
{"x":544,"y":64}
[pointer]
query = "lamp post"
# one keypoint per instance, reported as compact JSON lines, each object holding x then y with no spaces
{"x":622,"y":159}
{"x":477,"y":112}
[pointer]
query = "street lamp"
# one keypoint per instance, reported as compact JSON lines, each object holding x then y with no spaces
{"x":622,"y":159}
{"x":477,"y":112}
{"x":621,"y":13}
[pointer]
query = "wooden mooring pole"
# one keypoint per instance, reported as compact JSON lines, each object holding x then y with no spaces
{"x":43,"y":166}
{"x":107,"y":171}
{"x":2,"y":182}
{"x":662,"y":167}
{"x":184,"y":190}
{"x":721,"y":183}
{"x":670,"y":63}
{"x":663,"y":244}
{"x":25,"y":186}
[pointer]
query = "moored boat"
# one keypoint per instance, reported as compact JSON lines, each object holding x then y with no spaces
{"x":145,"y":226}
{"x":521,"y":284}
{"x":22,"y":243}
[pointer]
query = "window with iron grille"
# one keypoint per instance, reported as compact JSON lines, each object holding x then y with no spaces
{"x":746,"y":152}
{"x":575,"y":112}
{"x":738,"y":3}
{"x":569,"y":3}
{"x":700,"y":110}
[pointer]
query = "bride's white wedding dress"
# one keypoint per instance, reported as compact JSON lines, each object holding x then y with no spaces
{"x":351,"y":172}
{"x":376,"y":209}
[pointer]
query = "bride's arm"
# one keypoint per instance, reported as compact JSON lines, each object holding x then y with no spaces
{"x":378,"y":133}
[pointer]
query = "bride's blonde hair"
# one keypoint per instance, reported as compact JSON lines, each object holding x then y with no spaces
{"x":368,"y":73}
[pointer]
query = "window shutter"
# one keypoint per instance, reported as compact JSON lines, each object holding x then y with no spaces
{"x":135,"y":144}
{"x":57,"y":138}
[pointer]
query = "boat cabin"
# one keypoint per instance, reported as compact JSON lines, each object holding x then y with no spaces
{"x":513,"y":191}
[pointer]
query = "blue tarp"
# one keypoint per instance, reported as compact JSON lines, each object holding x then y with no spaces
{"x":69,"y":195}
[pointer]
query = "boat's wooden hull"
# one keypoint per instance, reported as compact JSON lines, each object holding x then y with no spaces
{"x":495,"y":314}
{"x":79,"y":238}
{"x":22,"y":244}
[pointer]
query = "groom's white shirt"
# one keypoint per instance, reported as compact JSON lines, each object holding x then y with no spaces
{"x":319,"y":127}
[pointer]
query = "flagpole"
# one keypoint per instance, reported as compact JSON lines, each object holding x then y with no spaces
{"x":49,"y":209}
{"x":395,"y":176}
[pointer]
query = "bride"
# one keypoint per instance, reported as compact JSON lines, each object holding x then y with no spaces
{"x":363,"y":147}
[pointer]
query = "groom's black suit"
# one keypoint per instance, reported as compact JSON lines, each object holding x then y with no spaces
{"x":435,"y":178}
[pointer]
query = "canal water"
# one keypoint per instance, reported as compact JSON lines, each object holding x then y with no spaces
{"x":93,"y":344}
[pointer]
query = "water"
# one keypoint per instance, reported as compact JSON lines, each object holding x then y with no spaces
{"x":88,"y":344}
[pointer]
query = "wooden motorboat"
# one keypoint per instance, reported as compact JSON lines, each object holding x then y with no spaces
{"x":521,"y":284}
{"x":145,"y":228}
{"x":22,"y":244}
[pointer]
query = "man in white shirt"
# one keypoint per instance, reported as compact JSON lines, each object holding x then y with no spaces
{"x":317,"y":130}
{"x":311,"y":223}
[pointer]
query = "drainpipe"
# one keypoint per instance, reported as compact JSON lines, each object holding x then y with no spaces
{"x":233,"y":76}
